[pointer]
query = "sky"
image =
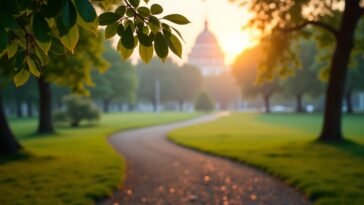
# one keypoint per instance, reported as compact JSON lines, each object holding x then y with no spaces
{"x":225,"y":18}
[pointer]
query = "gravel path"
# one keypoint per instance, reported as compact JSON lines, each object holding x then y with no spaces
{"x":160,"y":172}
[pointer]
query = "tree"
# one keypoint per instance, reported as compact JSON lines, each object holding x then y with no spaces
{"x":119,"y":82}
{"x":223,"y":88}
{"x":246,"y":73}
{"x":204,"y":102}
{"x":8,"y":143}
{"x":73,"y":71}
{"x":150,"y":74}
{"x":304,"y":82}
{"x":280,"y":21}
{"x":29,"y":30}
{"x":188,"y":84}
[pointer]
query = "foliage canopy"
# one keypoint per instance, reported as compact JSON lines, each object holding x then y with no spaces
{"x":30,"y":30}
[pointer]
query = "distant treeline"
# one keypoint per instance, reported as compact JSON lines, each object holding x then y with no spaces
{"x":305,"y":82}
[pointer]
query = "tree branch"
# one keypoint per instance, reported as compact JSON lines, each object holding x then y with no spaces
{"x":134,"y":11}
{"x":313,"y":23}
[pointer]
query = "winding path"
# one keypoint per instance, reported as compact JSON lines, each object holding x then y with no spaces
{"x":160,"y":172}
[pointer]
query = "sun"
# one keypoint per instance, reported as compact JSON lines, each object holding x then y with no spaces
{"x":233,"y":44}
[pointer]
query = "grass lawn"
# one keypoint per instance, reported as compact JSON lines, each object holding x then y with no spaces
{"x":283,"y":145}
{"x":73,"y":166}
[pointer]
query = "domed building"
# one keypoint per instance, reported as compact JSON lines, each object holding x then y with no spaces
{"x":206,"y":54}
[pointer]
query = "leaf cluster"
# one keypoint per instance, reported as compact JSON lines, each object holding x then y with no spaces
{"x":32,"y":29}
{"x":138,"y":24}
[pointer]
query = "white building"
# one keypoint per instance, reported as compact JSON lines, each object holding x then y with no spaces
{"x":206,"y":54}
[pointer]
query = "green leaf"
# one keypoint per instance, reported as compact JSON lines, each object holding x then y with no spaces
{"x":21,"y":77}
{"x":146,"y":53}
{"x":129,"y":12}
{"x":177,"y":19}
{"x":154,"y":24}
{"x":120,"y":30}
{"x":54,"y":7}
{"x":33,"y":68}
{"x":92,"y":26}
{"x":152,"y":36}
{"x":43,"y":58}
{"x":3,"y":39}
{"x":166,"y":27}
{"x":111,"y":30}
{"x":144,"y":39}
{"x":86,"y":10}
{"x":19,"y":61}
{"x":173,"y":43}
{"x":146,"y":1}
{"x":156,"y":9}
{"x":44,"y":46}
{"x":129,"y":23}
{"x":134,"y":3}
{"x":12,"y":49}
{"x":128,"y":38}
{"x":160,"y":46}
{"x":69,"y":15}
{"x":70,"y":40}
{"x":125,"y":53}
{"x":40,"y":28}
{"x":121,"y":10}
{"x":178,"y":33}
{"x":7,"y":20}
{"x":108,"y":18}
{"x":144,"y":11}
{"x":57,"y":47}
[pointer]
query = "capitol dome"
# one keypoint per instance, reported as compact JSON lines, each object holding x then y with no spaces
{"x":207,"y":54}
{"x":206,"y":37}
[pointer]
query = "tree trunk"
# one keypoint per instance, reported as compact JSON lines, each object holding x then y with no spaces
{"x":8,"y":143}
{"x":29,"y":107}
{"x":266,"y":98}
{"x":45,"y":108}
{"x":331,"y":130}
{"x":19,"y":112}
{"x":105,"y":105}
{"x":299,"y":105}
{"x":349,"y":103}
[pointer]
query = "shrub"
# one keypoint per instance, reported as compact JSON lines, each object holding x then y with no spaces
{"x":77,"y":109}
{"x":60,"y":116}
{"x":204,"y":102}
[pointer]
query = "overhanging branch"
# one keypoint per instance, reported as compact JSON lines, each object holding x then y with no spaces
{"x":313,"y":23}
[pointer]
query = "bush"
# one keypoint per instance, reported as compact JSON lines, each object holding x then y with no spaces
{"x":204,"y":102}
{"x":60,"y":116}
{"x":77,"y":109}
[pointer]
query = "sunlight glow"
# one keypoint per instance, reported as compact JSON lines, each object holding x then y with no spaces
{"x":235,"y":43}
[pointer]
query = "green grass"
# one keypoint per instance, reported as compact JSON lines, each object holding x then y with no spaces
{"x":73,"y":166}
{"x":284,"y":145}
